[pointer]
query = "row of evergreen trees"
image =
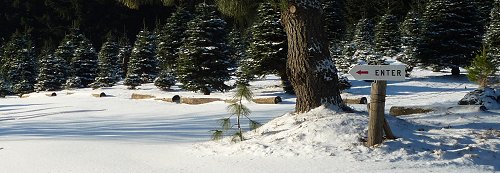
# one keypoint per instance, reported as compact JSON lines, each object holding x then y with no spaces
{"x":442,"y":34}
{"x":192,"y":47}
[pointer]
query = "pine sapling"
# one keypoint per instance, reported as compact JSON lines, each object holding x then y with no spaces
{"x":481,"y":68}
{"x":238,"y":111}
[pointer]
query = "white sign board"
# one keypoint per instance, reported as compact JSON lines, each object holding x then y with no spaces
{"x":379,"y":72}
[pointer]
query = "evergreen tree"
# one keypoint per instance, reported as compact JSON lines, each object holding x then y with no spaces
{"x":20,"y":63}
{"x":204,"y":57}
{"x":170,"y":39}
{"x":143,"y":63}
{"x":124,"y":54}
{"x":492,"y":37}
{"x":411,"y":29}
{"x":4,"y":88}
{"x":387,"y":36}
{"x":108,"y":68}
{"x":481,"y":68}
{"x":51,"y":76}
{"x":335,"y":21}
{"x":84,"y":64}
{"x":239,"y":111}
{"x":347,"y":59}
{"x":364,"y":34}
{"x":456,"y":24}
{"x":268,"y":46}
{"x":238,"y":43}
{"x":165,"y":80}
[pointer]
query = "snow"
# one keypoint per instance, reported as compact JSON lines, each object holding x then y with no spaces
{"x":76,"y":132}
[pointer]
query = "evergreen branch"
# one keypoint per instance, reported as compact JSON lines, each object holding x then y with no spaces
{"x":225,"y":122}
{"x":217,"y":135}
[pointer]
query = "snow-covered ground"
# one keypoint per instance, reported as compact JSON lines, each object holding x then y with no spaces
{"x":76,"y":132}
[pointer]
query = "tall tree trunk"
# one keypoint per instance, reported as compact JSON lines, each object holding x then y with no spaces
{"x":310,"y":66}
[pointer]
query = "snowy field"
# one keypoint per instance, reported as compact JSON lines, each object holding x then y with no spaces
{"x":76,"y":132}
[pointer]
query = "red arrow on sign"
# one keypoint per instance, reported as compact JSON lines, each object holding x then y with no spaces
{"x":361,"y":72}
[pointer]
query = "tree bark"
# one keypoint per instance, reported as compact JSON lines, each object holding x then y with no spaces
{"x":310,"y":68}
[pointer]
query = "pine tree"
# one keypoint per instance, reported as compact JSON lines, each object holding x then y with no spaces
{"x":84,"y":63}
{"x":387,"y":36}
{"x":335,"y":21}
{"x":492,"y":37}
{"x":456,"y":24}
{"x":364,"y":38}
{"x":51,"y":76}
{"x":204,"y":57}
{"x":238,"y":43}
{"x":124,"y":53}
{"x":411,"y":29}
{"x":268,"y":46}
{"x":66,"y":51}
{"x":240,"y":112}
{"x":170,"y":39}
{"x":143,"y":63}
{"x":4,"y":88}
{"x":108,"y":68}
{"x":481,"y":68}
{"x":20,"y":63}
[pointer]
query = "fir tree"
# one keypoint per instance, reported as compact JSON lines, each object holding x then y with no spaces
{"x":84,"y":63}
{"x":456,"y":24}
{"x":165,"y":80}
{"x":239,"y":112}
{"x":411,"y":29}
{"x":51,"y":76}
{"x":387,"y":36}
{"x":108,"y":68}
{"x":124,"y":54}
{"x":481,"y":68}
{"x":143,"y":62}
{"x":335,"y":21}
{"x":20,"y":63}
{"x":268,"y":46}
{"x":492,"y":37}
{"x":4,"y":88}
{"x":204,"y":57}
{"x":238,"y":44}
{"x":170,"y":39}
{"x":364,"y":41}
{"x":347,"y":59}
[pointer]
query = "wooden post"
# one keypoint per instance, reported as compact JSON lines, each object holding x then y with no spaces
{"x":377,"y":107}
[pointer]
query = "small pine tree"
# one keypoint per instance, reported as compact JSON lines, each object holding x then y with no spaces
{"x":20,"y":63}
{"x":165,"y":80}
{"x":364,"y":34}
{"x":204,"y":61}
{"x":107,"y":69}
{"x":132,"y":81}
{"x":335,"y":21}
{"x":52,"y":72}
{"x":481,"y":68}
{"x":143,"y":63}
{"x":238,"y":111}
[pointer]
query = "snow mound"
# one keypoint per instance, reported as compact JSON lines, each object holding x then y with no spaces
{"x":320,"y":132}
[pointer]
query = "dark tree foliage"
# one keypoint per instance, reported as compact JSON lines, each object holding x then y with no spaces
{"x":51,"y":76}
{"x":268,"y":46}
{"x":48,"y":20}
{"x":83,"y":66}
{"x":19,"y":66}
{"x":451,"y":34}
{"x":492,"y":38}
{"x":204,"y":58}
{"x":124,"y":53}
{"x":387,"y":36}
{"x":334,"y":12}
{"x":4,"y":88}
{"x":143,"y":63}
{"x":411,"y":30}
{"x":107,"y":65}
{"x":171,"y":37}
